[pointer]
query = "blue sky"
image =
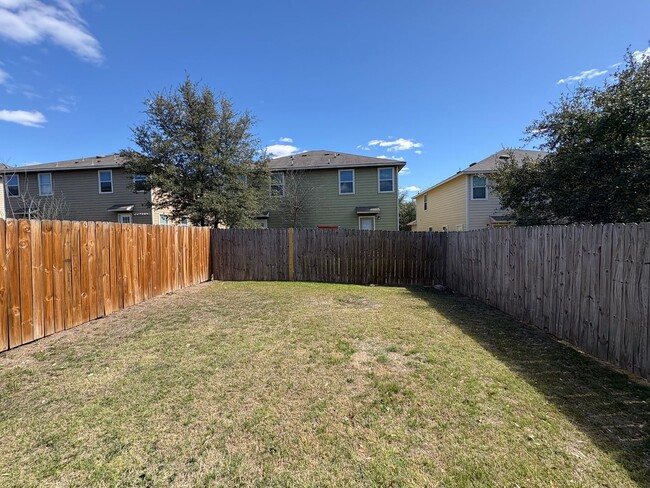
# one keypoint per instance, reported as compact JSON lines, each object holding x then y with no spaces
{"x":439,"y":84}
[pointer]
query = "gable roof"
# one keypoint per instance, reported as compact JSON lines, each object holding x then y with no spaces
{"x":489,"y":164}
{"x":329,"y":159}
{"x":97,"y":162}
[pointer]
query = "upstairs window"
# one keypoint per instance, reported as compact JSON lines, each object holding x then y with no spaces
{"x":277,"y":184}
{"x":105,"y":181}
{"x":346,"y":181}
{"x":45,"y":184}
{"x":426,"y":202}
{"x":13,"y":186}
{"x":386,"y":180}
{"x":479,"y":188}
{"x":139,"y":183}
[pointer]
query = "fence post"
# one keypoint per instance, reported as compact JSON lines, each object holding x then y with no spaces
{"x":290,"y":253}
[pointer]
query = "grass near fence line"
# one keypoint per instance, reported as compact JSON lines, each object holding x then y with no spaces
{"x":294,"y":384}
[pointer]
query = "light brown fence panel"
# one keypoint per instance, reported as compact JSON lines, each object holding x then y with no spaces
{"x":56,"y":275}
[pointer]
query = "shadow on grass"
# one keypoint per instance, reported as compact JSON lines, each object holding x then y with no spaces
{"x":607,"y":405}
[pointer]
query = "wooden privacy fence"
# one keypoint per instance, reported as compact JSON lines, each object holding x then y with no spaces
{"x":586,"y":284}
{"x":332,"y":256}
{"x":56,"y":275}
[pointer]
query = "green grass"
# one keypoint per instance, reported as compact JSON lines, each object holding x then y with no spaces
{"x":278,"y":384}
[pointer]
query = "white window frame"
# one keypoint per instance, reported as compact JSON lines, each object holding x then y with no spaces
{"x":472,"y":187}
{"x":354,"y":183}
{"x":264,"y":223}
{"x":374,"y":220}
{"x":277,"y":184}
{"x":17,"y":185}
{"x":160,"y":216}
{"x":425,"y":202}
{"x":99,"y":181}
{"x":143,"y":177}
{"x":40,"y":193}
{"x":120,"y":216}
{"x":379,"y":180}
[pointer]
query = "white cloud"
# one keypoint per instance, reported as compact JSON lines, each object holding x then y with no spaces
{"x":584,"y":75}
{"x":410,"y":191}
{"x":405,"y":171}
{"x":286,"y":139}
{"x":23,"y":117}
{"x":4,"y":76}
{"x":34,"y":21}
{"x":400,"y":144}
{"x":394,"y":158}
{"x":280,"y":150}
{"x":363,"y":148}
{"x":418,"y":152}
{"x":640,"y":56}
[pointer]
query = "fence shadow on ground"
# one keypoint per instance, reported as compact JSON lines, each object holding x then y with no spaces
{"x":609,"y":407}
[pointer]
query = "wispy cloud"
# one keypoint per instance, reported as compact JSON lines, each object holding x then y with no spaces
{"x":4,"y":76}
{"x":584,"y":75}
{"x":64,"y":105}
{"x":34,"y":21}
{"x":410,"y":189}
{"x":400,"y":144}
{"x":23,"y":117}
{"x":286,"y":139}
{"x":280,"y":150}
{"x":418,"y":152}
{"x":640,"y":56}
{"x":394,"y":158}
{"x":405,"y":171}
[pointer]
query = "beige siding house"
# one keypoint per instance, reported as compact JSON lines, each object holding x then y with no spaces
{"x":465,"y":200}
{"x":94,"y":189}
{"x":334,"y":190}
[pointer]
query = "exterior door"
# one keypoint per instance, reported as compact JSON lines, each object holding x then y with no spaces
{"x":367,"y":223}
{"x":124,"y":218}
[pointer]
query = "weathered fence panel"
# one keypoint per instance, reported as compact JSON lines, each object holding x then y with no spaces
{"x":586,"y":284}
{"x":56,"y":275}
{"x":331,"y":256}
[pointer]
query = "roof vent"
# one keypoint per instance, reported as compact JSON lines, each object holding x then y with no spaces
{"x":472,"y":165}
{"x":504,"y":157}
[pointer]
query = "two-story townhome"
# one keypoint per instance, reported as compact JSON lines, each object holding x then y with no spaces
{"x":93,"y":189}
{"x":329,"y":189}
{"x":465,"y":200}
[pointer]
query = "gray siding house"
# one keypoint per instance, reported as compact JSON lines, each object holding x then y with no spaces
{"x":334,"y":190}
{"x":93,"y":189}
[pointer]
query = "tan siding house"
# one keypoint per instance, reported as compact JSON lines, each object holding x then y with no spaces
{"x":465,"y":200}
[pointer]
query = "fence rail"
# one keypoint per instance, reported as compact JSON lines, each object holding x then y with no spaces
{"x":331,"y":256}
{"x":55,"y":275}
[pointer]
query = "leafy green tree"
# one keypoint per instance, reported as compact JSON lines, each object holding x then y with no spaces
{"x":406,"y":211}
{"x":598,"y":166}
{"x":200,"y":157}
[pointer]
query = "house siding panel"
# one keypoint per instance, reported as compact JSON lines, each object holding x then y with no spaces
{"x":447,"y":206}
{"x":327,"y":207}
{"x":80,"y":189}
{"x":480,"y":210}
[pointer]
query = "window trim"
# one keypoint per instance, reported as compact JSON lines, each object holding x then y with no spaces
{"x":160,"y":216}
{"x":354,"y":183}
{"x":120,"y":215}
{"x":281,"y":195}
{"x":99,"y":181}
{"x":38,"y":179}
{"x":144,"y":177}
{"x":425,"y":202}
{"x":17,"y":185}
{"x":374,"y":221}
{"x":379,"y":180}
{"x":472,"y":187}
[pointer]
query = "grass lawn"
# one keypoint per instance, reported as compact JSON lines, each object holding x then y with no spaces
{"x":279,"y":384}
